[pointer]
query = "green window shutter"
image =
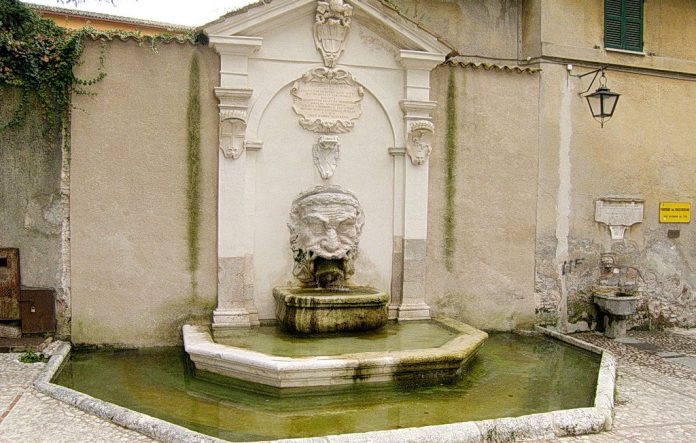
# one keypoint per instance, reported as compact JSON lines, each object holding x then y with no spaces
{"x":633,"y":25}
{"x":613,"y":23}
{"x":623,"y":24}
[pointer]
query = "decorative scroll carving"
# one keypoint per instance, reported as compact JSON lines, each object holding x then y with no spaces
{"x":331,"y":29}
{"x":325,"y":223}
{"x":420,"y":140}
{"x":327,"y":100}
{"x":326,"y":153}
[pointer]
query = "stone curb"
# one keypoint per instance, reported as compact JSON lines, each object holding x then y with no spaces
{"x":152,"y":427}
{"x":546,"y":425}
{"x":606,"y":379}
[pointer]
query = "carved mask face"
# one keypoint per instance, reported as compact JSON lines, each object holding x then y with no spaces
{"x":329,"y":231}
{"x":325,"y":222}
{"x":607,"y":261}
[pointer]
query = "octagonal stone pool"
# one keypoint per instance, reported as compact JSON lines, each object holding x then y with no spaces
{"x":511,"y":375}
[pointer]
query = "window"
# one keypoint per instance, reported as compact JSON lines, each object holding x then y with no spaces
{"x":623,"y":24}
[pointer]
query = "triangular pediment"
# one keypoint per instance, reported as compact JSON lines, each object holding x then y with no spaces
{"x":263,"y":17}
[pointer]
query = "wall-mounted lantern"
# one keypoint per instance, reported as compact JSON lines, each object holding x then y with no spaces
{"x":603,"y":101}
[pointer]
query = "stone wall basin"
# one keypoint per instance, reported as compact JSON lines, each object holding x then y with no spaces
{"x":440,"y":363}
{"x":616,"y":305}
{"x":615,"y":310}
{"x":315,"y":310}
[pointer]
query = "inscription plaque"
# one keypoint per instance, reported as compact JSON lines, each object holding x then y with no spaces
{"x":327,"y":100}
{"x":618,"y":214}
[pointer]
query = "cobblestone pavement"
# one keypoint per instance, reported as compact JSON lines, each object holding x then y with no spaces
{"x":656,"y":398}
{"x":27,"y":416}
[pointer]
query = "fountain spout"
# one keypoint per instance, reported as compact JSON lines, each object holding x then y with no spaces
{"x":330,"y":274}
{"x":325,"y":226}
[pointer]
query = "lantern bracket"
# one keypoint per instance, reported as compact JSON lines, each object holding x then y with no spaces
{"x":596,"y":72}
{"x":602,"y":102}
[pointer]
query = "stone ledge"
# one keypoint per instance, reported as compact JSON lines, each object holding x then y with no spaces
{"x":152,"y":427}
{"x":367,"y":367}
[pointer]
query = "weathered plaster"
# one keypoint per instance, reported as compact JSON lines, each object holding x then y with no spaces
{"x":130,"y":283}
{"x":32,"y":203}
{"x":633,"y":155}
{"x":531,"y":164}
{"x":492,"y":282}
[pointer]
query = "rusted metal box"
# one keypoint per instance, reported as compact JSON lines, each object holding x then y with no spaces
{"x":9,"y":284}
{"x":38,"y":310}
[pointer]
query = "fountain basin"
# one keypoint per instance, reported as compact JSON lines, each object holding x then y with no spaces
{"x":443,"y":363}
{"x":315,"y":310}
{"x":616,"y":305}
{"x":615,"y":310}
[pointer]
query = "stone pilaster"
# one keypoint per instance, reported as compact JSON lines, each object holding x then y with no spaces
{"x":417,"y":109}
{"x":236,"y":169}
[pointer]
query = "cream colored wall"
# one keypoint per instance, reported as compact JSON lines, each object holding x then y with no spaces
{"x":491,"y":284}
{"x":473,"y":27}
{"x":531,"y":163}
{"x":645,"y":151}
{"x":130,"y":283}
{"x":575,"y":28}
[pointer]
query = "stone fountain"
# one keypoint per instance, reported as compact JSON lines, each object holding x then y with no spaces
{"x":616,"y":295}
{"x":331,"y":98}
{"x":325,"y":226}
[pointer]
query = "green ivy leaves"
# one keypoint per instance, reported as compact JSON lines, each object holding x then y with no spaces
{"x":37,"y":57}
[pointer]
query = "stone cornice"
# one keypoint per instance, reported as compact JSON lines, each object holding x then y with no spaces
{"x":236,"y":45}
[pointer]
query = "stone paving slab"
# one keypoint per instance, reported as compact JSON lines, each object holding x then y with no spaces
{"x":683,"y":342}
{"x":630,"y":356}
{"x":38,"y":418}
{"x":686,"y":361}
{"x":669,"y":433}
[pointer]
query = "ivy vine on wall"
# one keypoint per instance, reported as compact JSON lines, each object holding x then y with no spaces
{"x":37,"y":58}
{"x":450,"y":170}
{"x":193,"y":191}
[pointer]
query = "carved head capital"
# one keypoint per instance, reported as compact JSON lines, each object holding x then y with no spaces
{"x":420,"y":139}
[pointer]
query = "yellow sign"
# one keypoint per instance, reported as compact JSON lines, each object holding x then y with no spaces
{"x":675,"y":212}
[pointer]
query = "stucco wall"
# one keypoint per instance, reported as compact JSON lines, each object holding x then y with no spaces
{"x":645,"y":151}
{"x":130,"y":283}
{"x":31,"y":208}
{"x":575,"y":28}
{"x":491,"y":284}
{"x":531,"y":162}
{"x":474,"y":27}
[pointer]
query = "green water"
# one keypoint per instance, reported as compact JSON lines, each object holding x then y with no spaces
{"x":394,"y":336}
{"x":511,"y":375}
